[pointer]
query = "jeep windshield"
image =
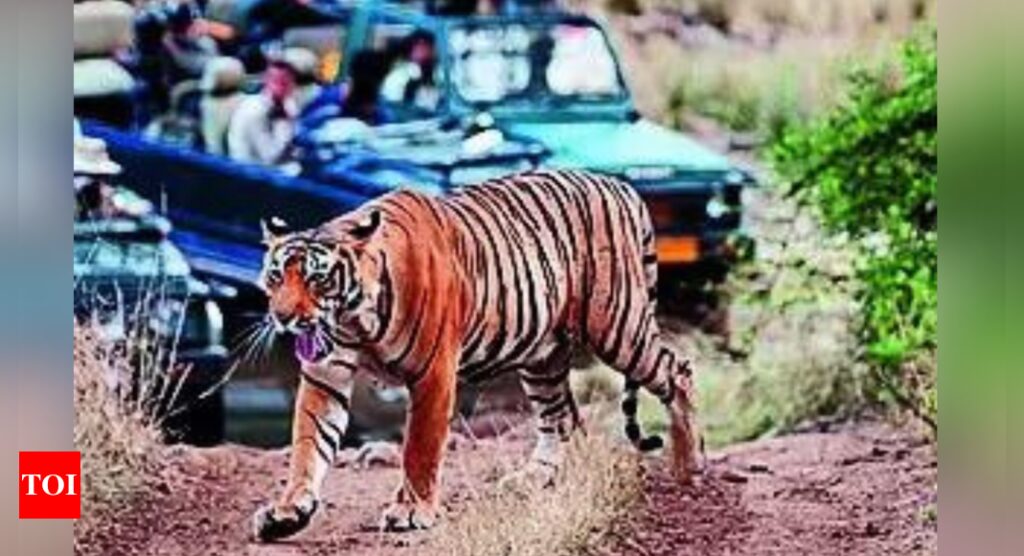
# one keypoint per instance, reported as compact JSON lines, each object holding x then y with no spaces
{"x":524,"y":64}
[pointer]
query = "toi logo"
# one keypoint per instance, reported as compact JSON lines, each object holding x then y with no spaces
{"x":49,"y":485}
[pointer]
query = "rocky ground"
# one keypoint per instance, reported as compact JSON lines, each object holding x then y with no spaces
{"x":860,"y":489}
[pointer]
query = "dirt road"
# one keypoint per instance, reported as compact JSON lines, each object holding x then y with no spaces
{"x":866,"y":489}
{"x":863,"y":489}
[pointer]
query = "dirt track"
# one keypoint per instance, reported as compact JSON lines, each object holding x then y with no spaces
{"x":864,"y":489}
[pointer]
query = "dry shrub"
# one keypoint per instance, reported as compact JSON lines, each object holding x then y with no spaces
{"x":744,"y":87}
{"x":754,"y":65}
{"x":755,"y":89}
{"x":806,"y":16}
{"x":599,"y":484}
{"x":116,"y":434}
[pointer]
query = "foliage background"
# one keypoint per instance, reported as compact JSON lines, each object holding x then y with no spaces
{"x":833,"y":104}
{"x":870,"y":169}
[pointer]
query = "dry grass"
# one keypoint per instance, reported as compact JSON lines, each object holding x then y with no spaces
{"x":807,"y":16}
{"x":600,"y":483}
{"x":116,"y":435}
{"x":756,"y":90}
{"x":124,"y":389}
{"x":596,"y":383}
{"x":752,"y":65}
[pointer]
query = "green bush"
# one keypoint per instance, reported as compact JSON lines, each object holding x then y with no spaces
{"x":869,"y":167}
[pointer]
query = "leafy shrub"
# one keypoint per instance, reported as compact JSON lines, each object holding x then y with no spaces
{"x":869,"y":168}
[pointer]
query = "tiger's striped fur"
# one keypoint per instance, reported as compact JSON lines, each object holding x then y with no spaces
{"x":508,"y":275}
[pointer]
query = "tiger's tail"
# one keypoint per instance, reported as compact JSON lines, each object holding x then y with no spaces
{"x":633,"y":432}
{"x":629,"y":394}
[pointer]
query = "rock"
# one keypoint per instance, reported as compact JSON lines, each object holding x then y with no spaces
{"x":370,"y":454}
{"x":758,"y":468}
{"x":730,"y":476}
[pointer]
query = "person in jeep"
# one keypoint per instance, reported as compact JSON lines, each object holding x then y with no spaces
{"x":95,"y":197}
{"x":411,"y":79}
{"x":263,"y":125}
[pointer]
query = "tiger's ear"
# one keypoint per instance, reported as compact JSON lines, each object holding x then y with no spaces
{"x":273,"y":230}
{"x":366,"y":226}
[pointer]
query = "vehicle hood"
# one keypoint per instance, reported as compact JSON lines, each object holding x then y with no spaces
{"x":424,"y":145}
{"x":615,"y":145}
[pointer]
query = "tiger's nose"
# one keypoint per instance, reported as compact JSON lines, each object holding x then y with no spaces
{"x":290,"y":322}
{"x":282,"y":321}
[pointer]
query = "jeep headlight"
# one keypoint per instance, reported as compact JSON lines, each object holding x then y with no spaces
{"x":214,"y":322}
{"x":717,"y":207}
{"x":649,"y":173}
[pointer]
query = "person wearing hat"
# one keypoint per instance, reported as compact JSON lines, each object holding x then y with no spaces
{"x":91,"y":159}
{"x":95,"y":198}
{"x":263,"y":125}
{"x":305,"y":63}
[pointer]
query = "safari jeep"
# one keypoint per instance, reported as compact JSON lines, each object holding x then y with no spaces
{"x":552,"y":81}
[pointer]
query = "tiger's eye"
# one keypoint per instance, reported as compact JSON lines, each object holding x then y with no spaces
{"x":317,"y":283}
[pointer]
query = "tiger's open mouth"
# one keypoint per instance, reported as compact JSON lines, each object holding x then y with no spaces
{"x":311,"y":347}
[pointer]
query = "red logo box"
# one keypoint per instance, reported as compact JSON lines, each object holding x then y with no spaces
{"x":49,"y":485}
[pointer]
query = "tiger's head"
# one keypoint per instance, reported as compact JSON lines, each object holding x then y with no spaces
{"x":322,"y":287}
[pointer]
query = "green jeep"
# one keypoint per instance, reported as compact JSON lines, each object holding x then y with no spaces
{"x":554,"y":80}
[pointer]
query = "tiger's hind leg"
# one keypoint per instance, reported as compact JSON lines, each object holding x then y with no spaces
{"x":557,"y":417}
{"x":647,"y":360}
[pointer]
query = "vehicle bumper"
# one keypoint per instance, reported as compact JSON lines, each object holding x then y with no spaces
{"x":682,"y":250}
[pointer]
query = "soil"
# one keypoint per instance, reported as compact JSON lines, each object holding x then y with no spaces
{"x":861,"y":489}
{"x":864,"y":489}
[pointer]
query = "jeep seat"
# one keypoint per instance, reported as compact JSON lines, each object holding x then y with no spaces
{"x":221,"y":87}
{"x":103,"y":88}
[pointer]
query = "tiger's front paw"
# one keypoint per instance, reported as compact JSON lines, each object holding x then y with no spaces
{"x":274,"y":522}
{"x":407,"y":516}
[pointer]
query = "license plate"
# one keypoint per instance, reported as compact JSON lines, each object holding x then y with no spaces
{"x":685,"y":249}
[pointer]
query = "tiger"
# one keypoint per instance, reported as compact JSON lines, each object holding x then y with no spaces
{"x":427,"y":292}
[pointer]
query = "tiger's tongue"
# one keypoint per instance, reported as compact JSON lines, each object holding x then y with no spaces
{"x":306,"y":347}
